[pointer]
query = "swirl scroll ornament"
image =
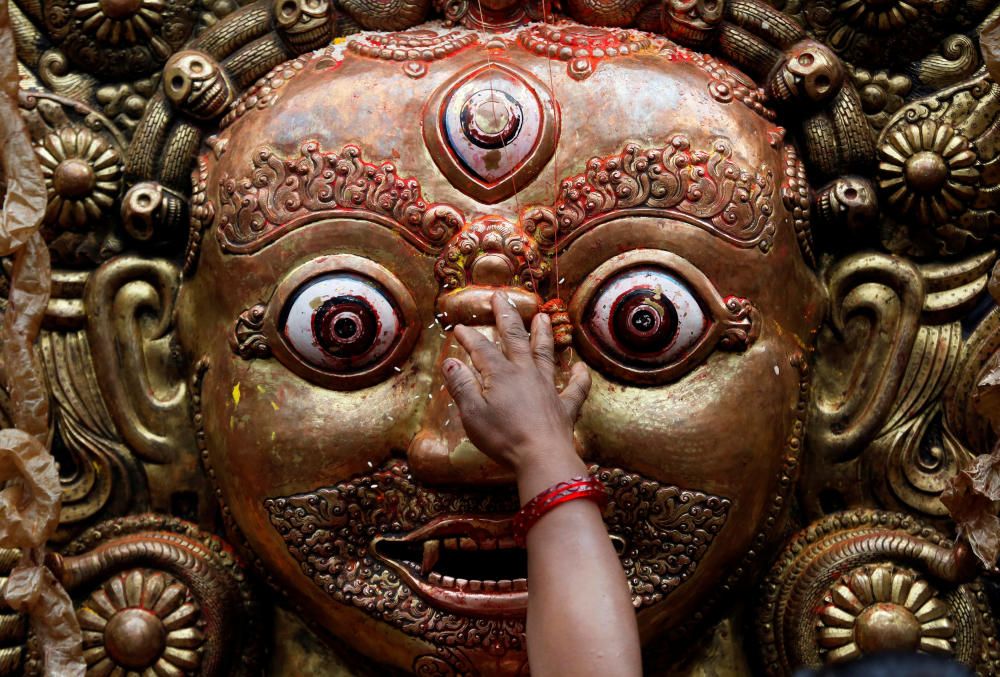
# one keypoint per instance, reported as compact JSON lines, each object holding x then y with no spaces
{"x":864,"y":581}
{"x":665,"y":532}
{"x":936,"y":172}
{"x":704,"y":188}
{"x":284,"y":193}
{"x":492,"y":251}
{"x":248,"y":340}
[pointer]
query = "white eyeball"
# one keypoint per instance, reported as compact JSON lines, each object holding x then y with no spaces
{"x":341,"y":322}
{"x":646,"y":317}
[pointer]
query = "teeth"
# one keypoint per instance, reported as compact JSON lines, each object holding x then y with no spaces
{"x":520,"y":584}
{"x":467,"y":544}
{"x":505,"y":585}
{"x":475,"y":586}
{"x":434,"y":578}
{"x":460,"y":583}
{"x":451,"y":544}
{"x":488,"y":544}
{"x":432,"y":551}
{"x":448,"y":581}
{"x":507,"y":543}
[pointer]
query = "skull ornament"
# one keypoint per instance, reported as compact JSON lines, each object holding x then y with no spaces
{"x":195,"y":84}
{"x":691,"y":21}
{"x":809,"y":72}
{"x":149,"y":208}
{"x":304,"y":25}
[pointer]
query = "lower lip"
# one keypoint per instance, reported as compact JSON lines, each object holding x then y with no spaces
{"x":461,"y":600}
{"x":469,"y":597}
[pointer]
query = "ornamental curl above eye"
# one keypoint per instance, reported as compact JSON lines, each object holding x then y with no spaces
{"x":649,"y":317}
{"x":342,"y":322}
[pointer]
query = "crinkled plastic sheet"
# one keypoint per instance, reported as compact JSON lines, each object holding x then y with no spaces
{"x":29,"y":499}
{"x":973,"y":495}
{"x":989,"y":44}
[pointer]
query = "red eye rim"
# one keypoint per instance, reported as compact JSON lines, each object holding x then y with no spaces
{"x":721,"y":318}
{"x":332,"y":265}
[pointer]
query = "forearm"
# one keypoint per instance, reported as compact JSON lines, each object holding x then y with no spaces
{"x":580,"y":615}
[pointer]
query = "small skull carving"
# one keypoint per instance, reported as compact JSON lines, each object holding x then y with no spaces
{"x":691,"y":22}
{"x":304,"y":25}
{"x":848,"y":202}
{"x":148,"y":208}
{"x":196,"y":84}
{"x":810,"y":71}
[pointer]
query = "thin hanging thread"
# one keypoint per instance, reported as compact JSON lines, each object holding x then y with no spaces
{"x":493,"y":102}
{"x":555,"y":164}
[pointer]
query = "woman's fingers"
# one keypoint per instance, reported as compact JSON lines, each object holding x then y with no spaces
{"x":576,"y":390}
{"x":542,"y":345}
{"x":513,"y":336}
{"x":463,"y":385}
{"x":485,"y":356}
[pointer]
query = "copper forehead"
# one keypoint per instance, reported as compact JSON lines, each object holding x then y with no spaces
{"x":488,"y":128}
{"x":701,"y":187}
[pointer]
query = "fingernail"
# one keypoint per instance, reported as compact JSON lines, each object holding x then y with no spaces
{"x":450,"y":365}
{"x":546,"y":319}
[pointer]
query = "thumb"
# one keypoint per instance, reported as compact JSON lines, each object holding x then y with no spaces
{"x":576,"y":390}
{"x":463,"y":385}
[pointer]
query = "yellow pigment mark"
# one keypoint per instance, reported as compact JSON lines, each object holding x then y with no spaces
{"x":272,"y":436}
{"x":232,"y":422}
{"x":337,"y":41}
{"x":316,"y":302}
{"x":236,"y":394}
{"x":274,"y":404}
{"x":260,"y":389}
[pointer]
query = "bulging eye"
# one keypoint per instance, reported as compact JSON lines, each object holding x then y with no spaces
{"x":646,"y":317}
{"x":342,"y":322}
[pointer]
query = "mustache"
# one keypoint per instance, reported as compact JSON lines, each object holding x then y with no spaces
{"x":661,"y":531}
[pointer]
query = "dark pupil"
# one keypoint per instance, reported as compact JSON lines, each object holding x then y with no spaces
{"x":644,"y":321}
{"x":345,"y":326}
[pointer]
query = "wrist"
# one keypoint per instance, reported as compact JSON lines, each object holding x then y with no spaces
{"x":543,"y":471}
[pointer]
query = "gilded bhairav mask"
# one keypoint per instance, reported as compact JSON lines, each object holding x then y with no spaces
{"x":679,"y":187}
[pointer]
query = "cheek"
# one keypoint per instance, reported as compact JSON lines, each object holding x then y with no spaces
{"x":274,"y":433}
{"x":722,"y":429}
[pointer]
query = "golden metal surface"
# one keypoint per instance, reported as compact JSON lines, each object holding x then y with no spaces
{"x":767,"y":229}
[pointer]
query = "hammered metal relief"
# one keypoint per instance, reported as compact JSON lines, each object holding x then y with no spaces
{"x":817,"y":178}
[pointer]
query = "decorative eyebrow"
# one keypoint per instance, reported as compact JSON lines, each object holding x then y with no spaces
{"x":702,"y":188}
{"x":282,"y":194}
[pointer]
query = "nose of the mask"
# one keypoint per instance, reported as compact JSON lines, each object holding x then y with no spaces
{"x":441,"y":452}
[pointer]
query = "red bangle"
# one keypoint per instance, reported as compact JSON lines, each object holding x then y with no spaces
{"x":589,"y":488}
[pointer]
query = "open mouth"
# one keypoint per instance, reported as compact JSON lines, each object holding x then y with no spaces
{"x":468,"y":565}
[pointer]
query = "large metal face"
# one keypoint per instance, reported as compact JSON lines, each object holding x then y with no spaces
{"x":372,"y":204}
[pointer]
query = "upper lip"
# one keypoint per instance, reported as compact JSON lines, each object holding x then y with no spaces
{"x":455,"y":541}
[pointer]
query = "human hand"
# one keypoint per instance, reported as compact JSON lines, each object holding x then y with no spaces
{"x":509,"y":404}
